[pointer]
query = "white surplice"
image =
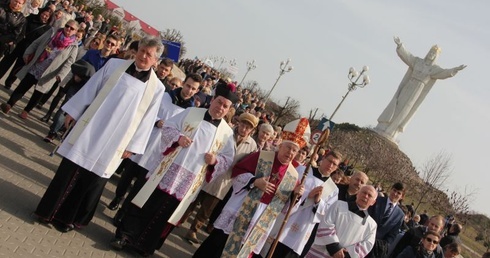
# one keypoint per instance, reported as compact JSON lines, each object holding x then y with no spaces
{"x":97,"y":145}
{"x":153,"y":149}
{"x":188,"y":163}
{"x":346,"y":228}
{"x":298,"y":229}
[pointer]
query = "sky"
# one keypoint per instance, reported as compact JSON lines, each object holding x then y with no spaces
{"x":324,"y":39}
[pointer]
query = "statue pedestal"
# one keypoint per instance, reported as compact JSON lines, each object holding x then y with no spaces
{"x":385,"y":136}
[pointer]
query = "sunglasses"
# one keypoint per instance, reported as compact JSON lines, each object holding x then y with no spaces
{"x":110,"y":43}
{"x":96,"y":42}
{"x":69,"y":27}
{"x":430,"y":240}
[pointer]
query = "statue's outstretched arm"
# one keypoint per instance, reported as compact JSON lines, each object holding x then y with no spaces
{"x":447,"y":73}
{"x":397,"y":41}
{"x":404,"y":55}
{"x":459,"y":68}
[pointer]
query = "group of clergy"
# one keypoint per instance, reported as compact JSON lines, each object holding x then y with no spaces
{"x":176,"y":149}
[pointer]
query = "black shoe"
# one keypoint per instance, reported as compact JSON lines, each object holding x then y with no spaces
{"x":43,"y":221}
{"x":40,"y":220}
{"x":44,"y":118}
{"x":8,"y":83}
{"x":119,"y":244}
{"x":114,"y":205}
{"x":50,"y":137}
{"x":116,"y":221}
{"x":63,"y":228}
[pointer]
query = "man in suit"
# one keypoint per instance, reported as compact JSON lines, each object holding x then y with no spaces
{"x":389,"y":217}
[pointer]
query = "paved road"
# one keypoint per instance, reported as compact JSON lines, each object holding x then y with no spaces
{"x":25,"y":171}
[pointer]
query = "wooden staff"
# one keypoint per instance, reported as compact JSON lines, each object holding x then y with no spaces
{"x":323,"y":138}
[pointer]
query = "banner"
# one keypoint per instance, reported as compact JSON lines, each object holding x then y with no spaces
{"x":172,"y":50}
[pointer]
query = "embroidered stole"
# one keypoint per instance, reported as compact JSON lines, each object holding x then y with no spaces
{"x":99,"y":100}
{"x":233,"y":246}
{"x":219,"y":139}
{"x":190,"y":126}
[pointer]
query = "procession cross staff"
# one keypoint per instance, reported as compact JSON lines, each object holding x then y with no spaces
{"x":323,"y":138}
{"x":61,"y":140}
{"x":353,"y":85}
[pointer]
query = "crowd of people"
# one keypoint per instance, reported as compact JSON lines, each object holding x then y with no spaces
{"x":200,"y":143}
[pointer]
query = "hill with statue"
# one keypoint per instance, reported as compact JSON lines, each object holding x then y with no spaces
{"x":385,"y":163}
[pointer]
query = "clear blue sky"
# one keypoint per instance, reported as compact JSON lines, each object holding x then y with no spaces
{"x":325,"y":38}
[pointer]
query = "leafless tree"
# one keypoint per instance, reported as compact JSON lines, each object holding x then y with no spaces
{"x":434,"y":172}
{"x":460,"y":202}
{"x":286,"y":112}
{"x":313,"y":119}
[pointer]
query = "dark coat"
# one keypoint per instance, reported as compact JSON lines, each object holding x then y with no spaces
{"x":11,"y":25}
{"x":387,"y":230}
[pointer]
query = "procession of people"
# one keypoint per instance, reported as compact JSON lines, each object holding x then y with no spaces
{"x":200,"y":142}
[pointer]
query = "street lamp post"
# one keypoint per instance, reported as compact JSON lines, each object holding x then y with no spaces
{"x":284,"y":68}
{"x":222,"y":60}
{"x":250,"y":66}
{"x":354,"y":77}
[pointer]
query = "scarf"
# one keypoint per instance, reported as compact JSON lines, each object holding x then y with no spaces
{"x":58,"y":42}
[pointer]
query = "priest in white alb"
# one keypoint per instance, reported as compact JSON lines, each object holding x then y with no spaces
{"x":114,"y":113}
{"x":197,"y":145}
{"x":347,"y":229}
{"x":173,"y":102}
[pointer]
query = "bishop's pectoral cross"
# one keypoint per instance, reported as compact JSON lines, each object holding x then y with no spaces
{"x":274,"y":177}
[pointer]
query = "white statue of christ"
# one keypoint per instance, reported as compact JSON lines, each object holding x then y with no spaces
{"x":417,"y":82}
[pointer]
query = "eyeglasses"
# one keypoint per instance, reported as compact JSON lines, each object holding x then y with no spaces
{"x":430,"y":240}
{"x":69,"y":27}
{"x":110,"y":43}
